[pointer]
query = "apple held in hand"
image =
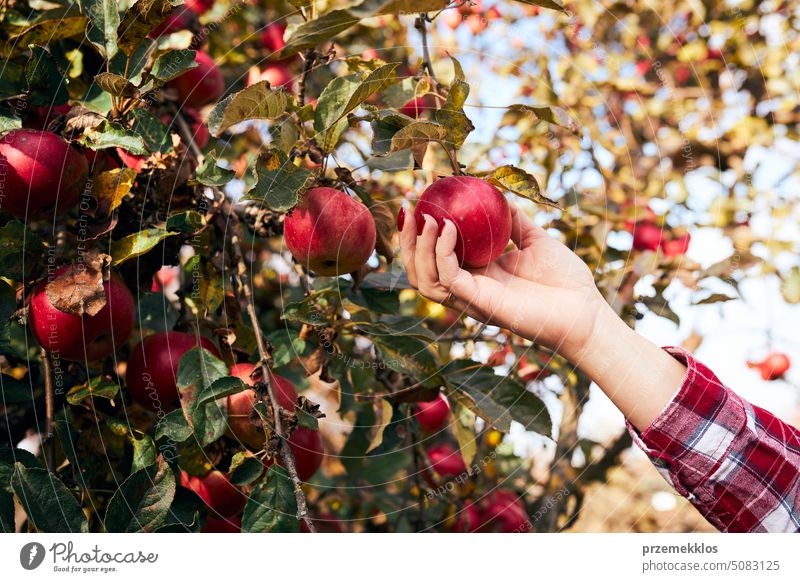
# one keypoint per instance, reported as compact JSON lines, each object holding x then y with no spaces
{"x":201,"y":85}
{"x":83,"y":337}
{"x":433,"y":415}
{"x":329,"y":232}
{"x":773,"y":367}
{"x":153,"y":367}
{"x":305,"y":443}
{"x":479,"y":211}
{"x":43,"y":174}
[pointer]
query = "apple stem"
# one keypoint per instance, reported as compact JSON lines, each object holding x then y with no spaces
{"x":244,"y":289}
{"x":48,"y":442}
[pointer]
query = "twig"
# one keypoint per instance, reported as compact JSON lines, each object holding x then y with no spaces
{"x":421,"y":25}
{"x":310,"y":58}
{"x":48,"y":442}
{"x":244,"y":288}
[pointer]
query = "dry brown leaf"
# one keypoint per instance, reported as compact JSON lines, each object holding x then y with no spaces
{"x":385,"y":228}
{"x":78,"y":290}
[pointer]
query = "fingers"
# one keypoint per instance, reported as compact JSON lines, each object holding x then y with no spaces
{"x":523,"y":230}
{"x":451,"y":276}
{"x":408,"y":246}
{"x":425,"y":262}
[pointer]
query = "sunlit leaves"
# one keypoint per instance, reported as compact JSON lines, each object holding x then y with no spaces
{"x":416,"y":136}
{"x":272,"y":505}
{"x":138,"y":21}
{"x":452,"y":115}
{"x":258,"y":101}
{"x":280,"y":182}
{"x":173,"y":64}
{"x":519,"y":182}
{"x":104,"y":20}
{"x":554,"y":115}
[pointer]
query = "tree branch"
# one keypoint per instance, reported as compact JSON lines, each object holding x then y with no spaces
{"x":246,"y":293}
{"x":48,"y":442}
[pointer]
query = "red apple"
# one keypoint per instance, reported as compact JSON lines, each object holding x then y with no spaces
{"x":646,"y":236}
{"x":773,"y":367}
{"x":272,"y":37}
{"x":222,"y":497}
{"x":433,"y":415}
{"x":43,"y":174}
{"x":477,"y":23}
{"x":277,"y":74}
{"x":677,"y":246}
{"x":86,"y":337}
{"x":132,"y":161}
{"x":222,"y":525}
{"x":479,"y":211}
{"x":503,"y":512}
{"x":452,"y":19}
{"x":153,"y":367}
{"x":100,"y":161}
{"x":446,"y":460}
{"x":179,"y":19}
{"x":199,"y":6}
{"x":40,"y":117}
{"x":329,"y":232}
{"x":306,"y":444}
{"x":468,"y":520}
{"x":417,"y":106}
{"x":201,"y":85}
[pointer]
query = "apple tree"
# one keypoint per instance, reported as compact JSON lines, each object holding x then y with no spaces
{"x":205,"y":325}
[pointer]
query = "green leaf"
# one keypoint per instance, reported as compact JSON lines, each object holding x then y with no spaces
{"x":98,"y":387}
{"x":173,"y":64}
{"x":280,"y":182}
{"x":155,"y":135}
{"x":9,"y":122}
{"x":287,"y":346}
{"x":245,"y":469}
{"x":143,"y":500}
{"x":131,"y":67}
{"x":139,"y":20}
{"x":211,"y":174}
{"x":552,"y":115}
{"x":155,"y":312}
{"x":409,"y":355}
{"x":50,"y":27}
{"x":416,"y":136}
{"x":521,"y":183}
{"x":384,"y":128}
{"x":188,"y":221}
{"x":20,"y":249}
{"x":452,"y":115}
{"x":8,"y":305}
{"x":8,"y":457}
{"x":113,"y":135}
{"x":342,"y":96}
{"x":173,"y":426}
{"x":12,"y":79}
{"x":184,"y":513}
{"x":496,"y":399}
{"x":272,"y":506}
{"x":207,"y":285}
{"x":137,"y":244}
{"x":198,"y":370}
{"x":258,"y":101}
{"x":144,"y":452}
{"x":49,"y":504}
{"x":47,"y":85}
{"x":103,"y":22}
{"x":219,"y":389}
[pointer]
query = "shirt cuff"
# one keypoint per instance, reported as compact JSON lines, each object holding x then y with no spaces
{"x":694,"y":433}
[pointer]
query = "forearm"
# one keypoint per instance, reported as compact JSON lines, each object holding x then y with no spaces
{"x":639,"y":377}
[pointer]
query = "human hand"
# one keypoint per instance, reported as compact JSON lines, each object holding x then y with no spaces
{"x":541,"y":291}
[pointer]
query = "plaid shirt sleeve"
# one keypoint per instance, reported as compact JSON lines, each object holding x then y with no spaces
{"x":735,"y":462}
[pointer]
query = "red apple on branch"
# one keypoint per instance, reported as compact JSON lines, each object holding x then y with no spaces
{"x":502,"y":511}
{"x":83,"y":337}
{"x":329,"y":232}
{"x":446,"y":460}
{"x":43,"y":174}
{"x":201,"y":85}
{"x":153,"y":367}
{"x":221,"y":496}
{"x":222,"y":525}
{"x":305,"y":443}
{"x":433,"y":415}
{"x":647,"y":236}
{"x":479,"y":211}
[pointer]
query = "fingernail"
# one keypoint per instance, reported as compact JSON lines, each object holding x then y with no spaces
{"x":401,"y":219}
